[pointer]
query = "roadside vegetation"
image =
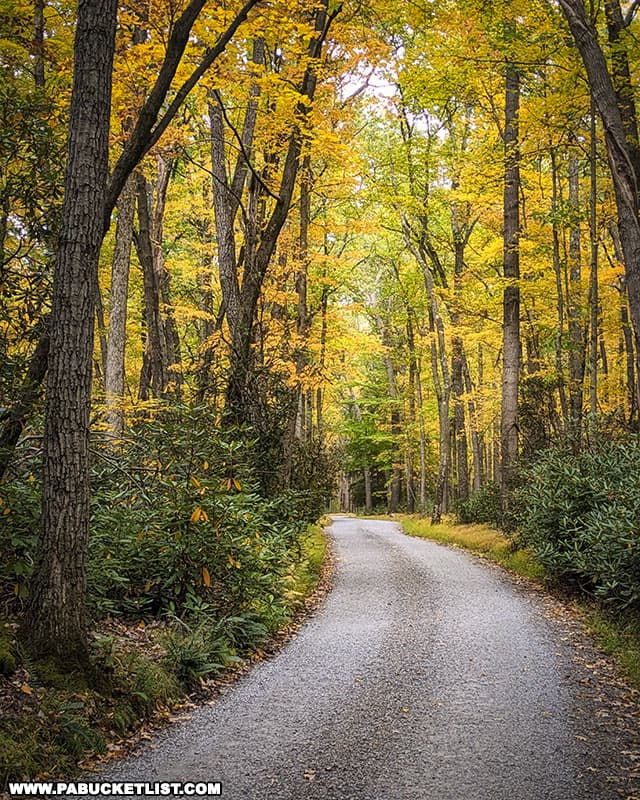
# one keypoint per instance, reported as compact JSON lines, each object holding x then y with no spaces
{"x":148,"y":667}
{"x":192,"y":570}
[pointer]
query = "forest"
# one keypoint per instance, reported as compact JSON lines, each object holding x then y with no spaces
{"x":263,"y":261}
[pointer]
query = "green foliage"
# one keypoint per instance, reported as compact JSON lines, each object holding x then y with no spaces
{"x":19,"y":521}
{"x":314,"y":477}
{"x":7,"y":656}
{"x":580,"y":514}
{"x":60,"y":733}
{"x":145,"y":684}
{"x":199,"y":650}
{"x":482,"y":507}
{"x":179,"y":527}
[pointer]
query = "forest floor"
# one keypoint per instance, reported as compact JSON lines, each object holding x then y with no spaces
{"x":427,"y":674}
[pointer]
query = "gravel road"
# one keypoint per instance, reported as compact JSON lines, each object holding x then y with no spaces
{"x":426,"y":675}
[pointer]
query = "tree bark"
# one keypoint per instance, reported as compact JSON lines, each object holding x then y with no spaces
{"x":613,"y":95}
{"x":38,"y":43}
{"x":161,"y":372}
{"x":114,"y":373}
{"x":54,"y":622}
{"x":395,"y":482}
{"x":460,"y":233}
{"x":593,"y":274}
{"x":557,"y":269}
{"x":575,"y":308}
{"x":511,"y":296}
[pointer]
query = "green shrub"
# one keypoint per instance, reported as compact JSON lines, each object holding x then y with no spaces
{"x":482,"y":506}
{"x":178,"y":524}
{"x":580,"y":514}
{"x":179,"y":527}
{"x":19,"y":524}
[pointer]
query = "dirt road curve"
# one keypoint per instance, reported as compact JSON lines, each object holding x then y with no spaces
{"x":426,"y":675}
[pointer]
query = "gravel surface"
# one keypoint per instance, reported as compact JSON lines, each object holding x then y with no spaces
{"x":426,"y":675}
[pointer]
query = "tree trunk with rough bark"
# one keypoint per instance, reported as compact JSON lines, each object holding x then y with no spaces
{"x":161,"y":371}
{"x":114,"y":373}
{"x":54,"y":622}
{"x":613,"y":95}
{"x":575,"y":308}
{"x":241,"y":396}
{"x":511,"y":295}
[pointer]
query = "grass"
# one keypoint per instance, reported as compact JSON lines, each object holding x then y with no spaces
{"x":479,"y":539}
{"x":303,"y":576}
{"x":618,"y":634}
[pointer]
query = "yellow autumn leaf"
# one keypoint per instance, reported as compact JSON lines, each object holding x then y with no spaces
{"x":147,"y":586}
{"x":26,"y":689}
{"x":194,"y":481}
{"x":236,"y":483}
{"x":197,"y":514}
{"x":206,"y":578}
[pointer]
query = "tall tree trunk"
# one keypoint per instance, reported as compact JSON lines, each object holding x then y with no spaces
{"x":366,"y":469}
{"x":240,"y":396}
{"x":476,"y":447}
{"x":161,"y":369}
{"x":396,"y":474}
{"x":575,"y":307}
{"x":38,"y":43}
{"x":511,"y":296}
{"x":54,"y":622}
{"x":557,"y":268}
{"x":627,"y":336}
{"x":114,"y":373}
{"x":154,"y":376}
{"x":460,"y":237}
{"x":632,"y":383}
{"x":593,"y":274}
{"x":439,"y":366}
{"x":613,"y":94}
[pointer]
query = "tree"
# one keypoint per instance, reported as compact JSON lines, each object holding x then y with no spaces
{"x":613,"y":94}
{"x":54,"y":622}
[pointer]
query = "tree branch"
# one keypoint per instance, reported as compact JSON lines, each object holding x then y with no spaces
{"x":148,"y":130}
